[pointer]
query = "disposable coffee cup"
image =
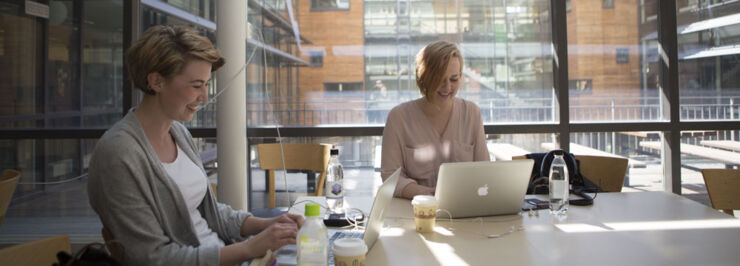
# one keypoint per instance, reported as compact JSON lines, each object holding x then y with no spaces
{"x":425,"y":213}
{"x":349,"y":252}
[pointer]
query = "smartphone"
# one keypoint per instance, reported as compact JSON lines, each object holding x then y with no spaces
{"x":336,"y":220}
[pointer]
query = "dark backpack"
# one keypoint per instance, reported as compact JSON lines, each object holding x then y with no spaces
{"x":538,"y":181}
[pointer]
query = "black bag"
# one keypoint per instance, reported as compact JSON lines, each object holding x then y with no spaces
{"x":93,"y":254}
{"x":538,"y":182}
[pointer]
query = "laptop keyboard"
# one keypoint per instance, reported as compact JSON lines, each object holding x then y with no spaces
{"x":339,"y":235}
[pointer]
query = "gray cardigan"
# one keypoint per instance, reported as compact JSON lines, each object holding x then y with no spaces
{"x":144,"y":209}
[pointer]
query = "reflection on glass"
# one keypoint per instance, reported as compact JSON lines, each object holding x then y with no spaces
{"x":102,"y":67}
{"x":79,"y":83}
{"x":367,"y":61}
{"x":361,"y":157}
{"x":706,"y":149}
{"x":21,"y":65}
{"x":504,"y":147}
{"x":709,"y":60}
{"x":612,"y":62}
{"x":644,"y":170}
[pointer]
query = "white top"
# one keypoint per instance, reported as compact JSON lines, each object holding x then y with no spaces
{"x":193,"y":185}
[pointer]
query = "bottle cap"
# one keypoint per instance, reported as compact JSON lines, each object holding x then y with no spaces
{"x":334,"y":152}
{"x":313,"y":209}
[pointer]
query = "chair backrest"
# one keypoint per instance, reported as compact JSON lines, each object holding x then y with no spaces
{"x":298,"y":156}
{"x":723,"y":187}
{"x":39,"y":252}
{"x":606,"y":172}
{"x":8,"y":181}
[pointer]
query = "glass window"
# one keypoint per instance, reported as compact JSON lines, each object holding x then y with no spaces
{"x":507,"y":70}
{"x":607,"y":3}
{"x":376,"y":47}
{"x":708,"y":61}
{"x":201,"y":8}
{"x":706,"y":149}
{"x":329,"y":4}
{"x":644,"y":168}
{"x":360,"y":157}
{"x":22,"y":64}
{"x":102,"y":63}
{"x":53,"y":183}
{"x":612,"y":63}
{"x":317,"y":58}
{"x":79,"y":83}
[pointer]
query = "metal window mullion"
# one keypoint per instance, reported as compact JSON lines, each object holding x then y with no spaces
{"x":131,"y":20}
{"x":668,"y":47}
{"x":560,"y":69}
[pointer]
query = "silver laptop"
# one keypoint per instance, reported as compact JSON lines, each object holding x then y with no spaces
{"x":377,"y":214}
{"x":475,"y":189}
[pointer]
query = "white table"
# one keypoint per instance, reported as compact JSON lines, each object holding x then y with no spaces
{"x":640,"y":228}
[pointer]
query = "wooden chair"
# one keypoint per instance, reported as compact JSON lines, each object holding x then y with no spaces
{"x":298,"y":156}
{"x":606,"y":172}
{"x":8,"y":182}
{"x":39,"y":252}
{"x":215,"y":192}
{"x":723,"y":187}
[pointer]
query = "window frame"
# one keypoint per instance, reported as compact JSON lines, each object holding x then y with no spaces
{"x":671,"y":125}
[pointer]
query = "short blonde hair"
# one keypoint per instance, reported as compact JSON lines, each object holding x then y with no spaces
{"x":165,"y":49}
{"x":431,"y":64}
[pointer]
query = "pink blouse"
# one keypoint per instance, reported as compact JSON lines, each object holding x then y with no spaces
{"x":410,"y":141}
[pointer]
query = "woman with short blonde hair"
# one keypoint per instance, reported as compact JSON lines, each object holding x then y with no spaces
{"x":146,"y":179}
{"x":431,"y":64}
{"x":422,"y":134}
{"x":165,"y":50}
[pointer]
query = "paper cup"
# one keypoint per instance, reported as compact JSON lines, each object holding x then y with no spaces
{"x":349,"y":252}
{"x":425,"y":213}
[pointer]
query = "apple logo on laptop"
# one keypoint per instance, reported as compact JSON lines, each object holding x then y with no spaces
{"x":483,"y":191}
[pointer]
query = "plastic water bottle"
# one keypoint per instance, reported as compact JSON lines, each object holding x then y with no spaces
{"x":334,"y":189}
{"x":558,"y":185}
{"x":313,"y":240}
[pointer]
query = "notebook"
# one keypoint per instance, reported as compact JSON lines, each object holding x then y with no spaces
{"x":475,"y":189}
{"x":287,"y":255}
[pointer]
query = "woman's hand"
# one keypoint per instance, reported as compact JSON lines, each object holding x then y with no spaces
{"x":414,"y":189}
{"x":272,"y":238}
{"x":253,"y":225}
{"x":290,"y":219}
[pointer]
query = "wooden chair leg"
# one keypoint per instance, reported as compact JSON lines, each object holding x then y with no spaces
{"x":730,"y":212}
{"x":272,"y":188}
{"x":320,"y":184}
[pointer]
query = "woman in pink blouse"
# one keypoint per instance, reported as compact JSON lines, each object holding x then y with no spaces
{"x":422,"y":134}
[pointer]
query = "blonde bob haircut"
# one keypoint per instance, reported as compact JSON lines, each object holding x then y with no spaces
{"x":431,"y":65}
{"x":165,"y":49}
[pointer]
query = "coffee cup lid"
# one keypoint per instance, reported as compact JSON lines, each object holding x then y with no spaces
{"x":424,"y":200}
{"x":349,"y":247}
